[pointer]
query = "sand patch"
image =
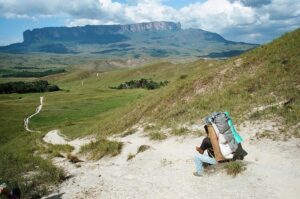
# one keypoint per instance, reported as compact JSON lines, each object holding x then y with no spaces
{"x":165,"y":170}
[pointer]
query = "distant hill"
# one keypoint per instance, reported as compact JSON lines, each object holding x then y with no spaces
{"x":154,"y":39}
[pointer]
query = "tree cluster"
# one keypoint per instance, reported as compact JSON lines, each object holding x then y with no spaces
{"x":142,"y":83}
{"x":34,"y":73}
{"x":27,"y":87}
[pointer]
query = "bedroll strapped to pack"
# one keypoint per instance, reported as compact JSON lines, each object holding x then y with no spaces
{"x":214,"y":142}
{"x":236,"y":136}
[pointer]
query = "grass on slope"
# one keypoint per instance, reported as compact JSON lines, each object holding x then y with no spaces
{"x":21,"y":166}
{"x":263,"y":76}
{"x":86,"y":105}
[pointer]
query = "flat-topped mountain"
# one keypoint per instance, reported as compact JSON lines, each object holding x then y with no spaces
{"x":155,"y":39}
{"x":94,"y":33}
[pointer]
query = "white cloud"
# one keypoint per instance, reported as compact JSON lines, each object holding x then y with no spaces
{"x":147,"y":10}
{"x":216,"y":15}
{"x":82,"y":22}
{"x":236,"y":19}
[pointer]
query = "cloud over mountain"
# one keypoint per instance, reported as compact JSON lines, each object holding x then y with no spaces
{"x":239,"y":20}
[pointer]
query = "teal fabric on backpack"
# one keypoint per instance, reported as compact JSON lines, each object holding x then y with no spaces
{"x":236,"y":136}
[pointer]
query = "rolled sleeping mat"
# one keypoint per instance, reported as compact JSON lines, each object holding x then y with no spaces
{"x":236,"y":135}
{"x":214,"y":142}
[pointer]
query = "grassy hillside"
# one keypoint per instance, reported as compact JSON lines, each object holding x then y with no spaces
{"x":266,"y":75}
{"x":86,"y":105}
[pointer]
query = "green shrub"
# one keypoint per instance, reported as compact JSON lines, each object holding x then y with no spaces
{"x":142,"y":83}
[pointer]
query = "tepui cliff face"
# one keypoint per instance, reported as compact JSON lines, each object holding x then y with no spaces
{"x":91,"y":32}
{"x":154,"y":39}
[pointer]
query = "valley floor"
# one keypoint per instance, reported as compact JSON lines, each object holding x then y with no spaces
{"x":165,"y":170}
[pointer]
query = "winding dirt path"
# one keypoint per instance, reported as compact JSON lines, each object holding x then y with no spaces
{"x":26,"y":120}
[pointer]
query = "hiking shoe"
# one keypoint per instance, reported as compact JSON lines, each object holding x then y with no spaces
{"x":197,"y":174}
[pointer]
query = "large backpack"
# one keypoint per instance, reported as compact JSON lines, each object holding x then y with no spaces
{"x":228,"y":138}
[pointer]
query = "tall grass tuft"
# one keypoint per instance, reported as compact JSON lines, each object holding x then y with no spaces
{"x":181,"y":131}
{"x":234,"y":168}
{"x":101,"y":148}
{"x":157,"y":136}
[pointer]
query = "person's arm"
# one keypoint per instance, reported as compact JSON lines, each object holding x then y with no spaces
{"x":201,"y":151}
{"x":204,"y":146}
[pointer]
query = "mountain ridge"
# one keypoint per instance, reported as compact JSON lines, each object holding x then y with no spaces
{"x":76,"y":32}
{"x":154,"y":39}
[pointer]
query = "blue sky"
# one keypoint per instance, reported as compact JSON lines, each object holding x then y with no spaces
{"x":11,"y":30}
{"x":173,"y":3}
{"x":255,"y":21}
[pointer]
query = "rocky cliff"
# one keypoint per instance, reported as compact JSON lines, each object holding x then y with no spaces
{"x":151,"y":26}
{"x":94,"y":33}
{"x":154,"y":39}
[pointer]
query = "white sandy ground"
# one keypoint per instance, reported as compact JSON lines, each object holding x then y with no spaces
{"x":165,"y":170}
{"x":26,"y":120}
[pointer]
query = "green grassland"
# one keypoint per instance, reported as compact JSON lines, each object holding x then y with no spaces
{"x":86,"y":105}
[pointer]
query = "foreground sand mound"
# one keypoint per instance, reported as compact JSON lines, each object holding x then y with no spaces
{"x":165,"y":170}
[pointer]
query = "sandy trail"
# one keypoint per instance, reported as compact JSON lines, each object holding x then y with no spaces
{"x":165,"y":170}
{"x":26,"y":120}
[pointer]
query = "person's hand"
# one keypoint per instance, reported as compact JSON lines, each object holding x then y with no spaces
{"x":197,"y":148}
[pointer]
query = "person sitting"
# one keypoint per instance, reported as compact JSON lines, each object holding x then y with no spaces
{"x":14,"y":194}
{"x":202,"y":157}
